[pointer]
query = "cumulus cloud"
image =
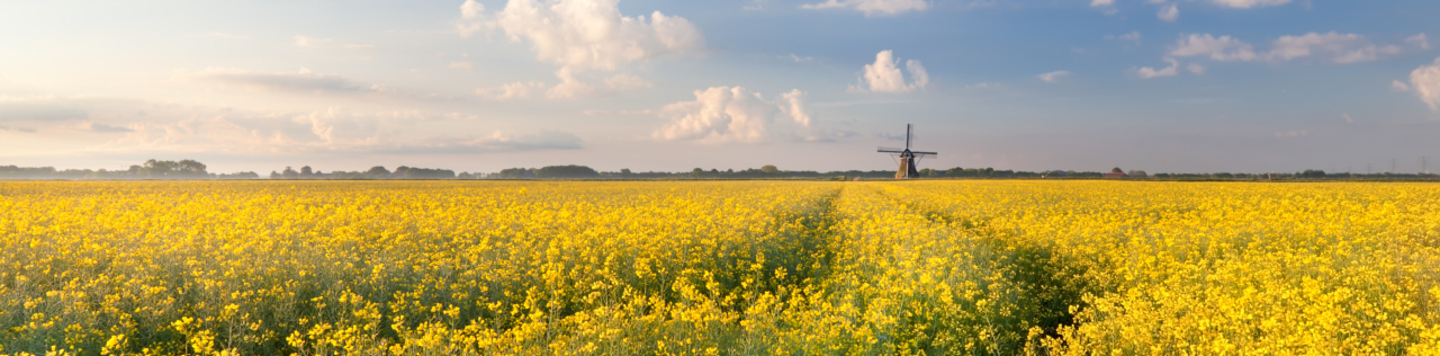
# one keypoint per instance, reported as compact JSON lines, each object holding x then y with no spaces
{"x":729,"y":114}
{"x":793,"y":103}
{"x":871,"y":7}
{"x":312,"y":42}
{"x":718,"y":114}
{"x":587,"y":34}
{"x":1426,"y":83}
{"x":1052,"y":76}
{"x":1245,"y":4}
{"x":1148,"y":72}
{"x":1101,"y":3}
{"x":1169,"y":13}
{"x":886,"y":77}
{"x":470,"y":10}
{"x":303,"y":81}
{"x":1334,"y":47}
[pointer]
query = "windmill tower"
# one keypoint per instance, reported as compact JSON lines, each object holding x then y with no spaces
{"x":907,"y":157}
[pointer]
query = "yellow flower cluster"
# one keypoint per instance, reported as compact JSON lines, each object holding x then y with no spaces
{"x":718,"y":268}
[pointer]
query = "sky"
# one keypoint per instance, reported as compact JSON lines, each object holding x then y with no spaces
{"x":484,"y":85}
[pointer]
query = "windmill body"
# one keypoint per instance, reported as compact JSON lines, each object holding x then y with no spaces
{"x":907,"y":157}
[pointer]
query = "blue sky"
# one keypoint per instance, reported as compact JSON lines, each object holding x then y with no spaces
{"x":1162,"y":85}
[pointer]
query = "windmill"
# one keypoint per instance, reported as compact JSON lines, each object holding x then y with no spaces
{"x":907,"y":157}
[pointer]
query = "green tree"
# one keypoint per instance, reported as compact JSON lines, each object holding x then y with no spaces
{"x":769,"y":168}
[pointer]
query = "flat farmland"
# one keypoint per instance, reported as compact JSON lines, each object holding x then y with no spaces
{"x":719,"y":268}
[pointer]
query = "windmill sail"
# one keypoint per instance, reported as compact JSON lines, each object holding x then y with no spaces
{"x":907,"y":157}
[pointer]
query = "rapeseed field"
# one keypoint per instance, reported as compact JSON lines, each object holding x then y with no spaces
{"x":719,"y":268}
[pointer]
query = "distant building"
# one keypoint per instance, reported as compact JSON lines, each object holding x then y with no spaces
{"x":1114,"y":174}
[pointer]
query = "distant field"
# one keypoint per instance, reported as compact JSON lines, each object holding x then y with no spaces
{"x":719,"y":268}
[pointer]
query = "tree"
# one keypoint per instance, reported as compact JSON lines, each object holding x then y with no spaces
{"x":769,"y":168}
{"x":625,"y":171}
{"x":274,"y":175}
{"x":697,"y":172}
{"x":378,"y":172}
{"x":1116,"y":170}
{"x":567,"y":171}
{"x":289,"y":173}
{"x":306,"y":172}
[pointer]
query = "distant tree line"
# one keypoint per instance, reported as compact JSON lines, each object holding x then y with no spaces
{"x":191,"y":169}
{"x":376,"y":172}
{"x":151,"y":169}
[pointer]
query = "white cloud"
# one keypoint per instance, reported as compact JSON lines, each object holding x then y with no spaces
{"x":1148,"y":72}
{"x":1053,"y":76}
{"x":794,"y":104}
{"x":1426,"y":83}
{"x":730,"y":114}
{"x":799,"y":59}
{"x":1168,"y":13}
{"x":1223,"y":48}
{"x":718,"y":114}
{"x":516,"y":90}
{"x":1347,"y":118}
{"x":312,"y":42}
{"x":871,"y":7}
{"x":1101,"y":3}
{"x":590,"y":34}
{"x":918,"y":75}
{"x":1196,"y":69}
{"x":1399,"y":86}
{"x":471,"y":10}
{"x":885,"y":76}
{"x":1418,"y":41}
{"x":569,"y":87}
{"x":1245,"y":4}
